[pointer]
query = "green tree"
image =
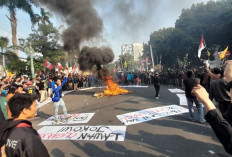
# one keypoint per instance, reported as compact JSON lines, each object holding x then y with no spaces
{"x":13,"y":5}
{"x":43,"y":18}
{"x":45,"y":40}
{"x":14,"y":64}
{"x":4,"y":41}
{"x":212,"y":20}
{"x":129,"y":59}
{"x":164,"y":42}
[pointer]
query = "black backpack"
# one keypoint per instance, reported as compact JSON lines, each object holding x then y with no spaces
{"x":3,"y":136}
{"x":4,"y":133}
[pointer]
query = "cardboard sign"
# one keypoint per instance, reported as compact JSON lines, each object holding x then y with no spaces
{"x":183,"y":99}
{"x":150,"y":114}
{"x":91,"y":133}
{"x":75,"y":119}
{"x":176,"y":90}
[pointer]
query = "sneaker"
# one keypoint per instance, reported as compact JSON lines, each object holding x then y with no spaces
{"x":192,"y":119}
{"x":202,"y":121}
{"x":68,"y":118}
{"x":156,"y":97}
{"x":57,"y":121}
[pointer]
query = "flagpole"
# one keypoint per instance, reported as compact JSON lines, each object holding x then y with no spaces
{"x":157,"y":59}
{"x":44,"y":70}
{"x":152,"y":58}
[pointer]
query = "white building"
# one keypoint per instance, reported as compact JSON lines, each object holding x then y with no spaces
{"x":135,"y":49}
{"x":127,"y":48}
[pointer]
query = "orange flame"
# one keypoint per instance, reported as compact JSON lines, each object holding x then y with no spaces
{"x":114,"y":89}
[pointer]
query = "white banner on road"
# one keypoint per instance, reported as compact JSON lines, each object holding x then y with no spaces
{"x":91,"y":133}
{"x":150,"y":114}
{"x":176,"y":90}
{"x":183,"y":99}
{"x":75,"y":119}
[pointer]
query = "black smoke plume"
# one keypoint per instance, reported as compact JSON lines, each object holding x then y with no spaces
{"x":93,"y":59}
{"x":80,"y":16}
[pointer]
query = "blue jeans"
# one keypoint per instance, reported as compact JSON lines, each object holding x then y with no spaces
{"x":199,"y":109}
{"x":56,"y":107}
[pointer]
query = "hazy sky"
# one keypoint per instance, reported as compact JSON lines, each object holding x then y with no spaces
{"x":125,"y":21}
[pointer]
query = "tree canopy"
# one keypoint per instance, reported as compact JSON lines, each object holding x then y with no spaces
{"x":13,"y":5}
{"x":212,"y":20}
{"x":45,"y":40}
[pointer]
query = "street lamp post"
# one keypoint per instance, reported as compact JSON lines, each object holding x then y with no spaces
{"x":3,"y":63}
{"x":3,"y":59}
{"x":31,"y":51}
{"x":32,"y":63}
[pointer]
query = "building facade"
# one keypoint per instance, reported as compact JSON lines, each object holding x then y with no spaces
{"x":135,"y":49}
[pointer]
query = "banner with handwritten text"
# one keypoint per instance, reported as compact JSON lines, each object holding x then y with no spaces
{"x":150,"y":114}
{"x":75,"y":119}
{"x":91,"y":133}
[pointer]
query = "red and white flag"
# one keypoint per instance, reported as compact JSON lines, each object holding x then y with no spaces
{"x":66,"y":70}
{"x":115,"y":70}
{"x":201,"y":47}
{"x":146,"y":59}
{"x":58,"y":66}
{"x":74,"y":69}
{"x":48,"y":65}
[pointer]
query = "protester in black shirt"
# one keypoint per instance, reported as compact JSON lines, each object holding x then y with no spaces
{"x":156,"y":80}
{"x":189,"y":83}
{"x":221,"y":125}
{"x":26,"y":141}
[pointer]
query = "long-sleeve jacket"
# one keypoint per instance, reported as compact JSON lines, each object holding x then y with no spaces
{"x":58,"y":90}
{"x":21,"y":141}
{"x":156,"y":80}
{"x":218,"y":90}
{"x":24,"y":141}
{"x":221,"y":128}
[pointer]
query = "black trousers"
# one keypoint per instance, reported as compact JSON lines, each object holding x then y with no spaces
{"x":157,"y":89}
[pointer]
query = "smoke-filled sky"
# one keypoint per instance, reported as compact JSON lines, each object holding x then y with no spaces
{"x":124,"y":21}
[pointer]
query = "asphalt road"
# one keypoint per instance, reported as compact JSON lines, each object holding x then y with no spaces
{"x":173,"y":136}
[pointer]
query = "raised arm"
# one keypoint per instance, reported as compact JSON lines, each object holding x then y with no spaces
{"x":208,"y":71}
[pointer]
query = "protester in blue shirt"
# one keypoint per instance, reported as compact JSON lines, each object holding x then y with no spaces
{"x":57,"y":98}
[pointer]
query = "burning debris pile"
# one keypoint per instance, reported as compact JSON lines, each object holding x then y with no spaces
{"x":93,"y":59}
{"x":112,"y":90}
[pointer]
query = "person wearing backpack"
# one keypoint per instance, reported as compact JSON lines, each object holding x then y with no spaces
{"x":18,"y":137}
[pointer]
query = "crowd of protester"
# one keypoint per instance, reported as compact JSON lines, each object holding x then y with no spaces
{"x":169,"y":77}
{"x":205,"y":86}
